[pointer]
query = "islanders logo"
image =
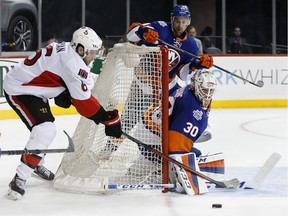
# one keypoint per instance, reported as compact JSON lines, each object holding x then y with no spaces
{"x":173,"y":58}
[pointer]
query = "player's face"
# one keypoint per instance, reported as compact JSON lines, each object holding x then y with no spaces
{"x":192,"y":32}
{"x":80,"y":50}
{"x":180,"y":24}
{"x":90,"y":57}
{"x":207,"y":93}
{"x":237,"y":32}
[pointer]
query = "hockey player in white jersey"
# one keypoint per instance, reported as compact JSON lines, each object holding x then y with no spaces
{"x":59,"y":71}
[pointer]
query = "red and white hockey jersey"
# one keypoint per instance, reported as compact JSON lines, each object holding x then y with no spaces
{"x":51,"y":70}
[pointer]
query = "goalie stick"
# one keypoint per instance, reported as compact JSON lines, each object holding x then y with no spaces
{"x":257,"y":181}
{"x":266,"y":169}
{"x":138,"y":186}
{"x":41,"y":151}
{"x":259,"y":177}
{"x":233,"y":183}
{"x":259,"y":83}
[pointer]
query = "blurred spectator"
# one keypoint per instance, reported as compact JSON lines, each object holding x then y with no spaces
{"x":206,"y":37}
{"x":211,"y":48}
{"x":193,"y":33}
{"x":238,"y":44}
{"x":124,"y":38}
{"x":8,"y":46}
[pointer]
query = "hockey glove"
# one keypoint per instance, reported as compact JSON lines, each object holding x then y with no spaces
{"x":206,"y":61}
{"x":63,"y":100}
{"x":147,"y":34}
{"x":113,"y":124}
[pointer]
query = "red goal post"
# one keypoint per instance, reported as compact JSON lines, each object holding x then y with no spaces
{"x":134,"y":80}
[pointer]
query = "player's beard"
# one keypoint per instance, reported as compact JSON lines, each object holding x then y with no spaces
{"x":178,"y":32}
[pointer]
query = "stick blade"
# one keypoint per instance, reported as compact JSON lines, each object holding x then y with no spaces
{"x":266,"y":168}
{"x":260,"y":83}
{"x":233,"y":183}
{"x":71,"y":143}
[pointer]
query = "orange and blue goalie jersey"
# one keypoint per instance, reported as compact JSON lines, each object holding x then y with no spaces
{"x":187,"y":120}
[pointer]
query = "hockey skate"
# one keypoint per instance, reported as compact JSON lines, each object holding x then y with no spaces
{"x":44,"y":173}
{"x":16,"y":190}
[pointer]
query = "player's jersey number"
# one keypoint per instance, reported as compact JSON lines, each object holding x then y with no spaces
{"x":30,"y":62}
{"x":191,"y":129}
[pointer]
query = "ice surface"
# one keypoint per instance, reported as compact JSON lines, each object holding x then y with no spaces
{"x":246,"y":136}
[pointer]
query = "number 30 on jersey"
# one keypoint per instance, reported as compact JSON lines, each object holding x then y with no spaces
{"x":191,"y":129}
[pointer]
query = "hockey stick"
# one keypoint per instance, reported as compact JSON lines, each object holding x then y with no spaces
{"x":3,"y":102}
{"x":259,"y":83}
{"x":233,"y":183}
{"x":139,"y":186}
{"x":41,"y":151}
{"x":266,"y":169}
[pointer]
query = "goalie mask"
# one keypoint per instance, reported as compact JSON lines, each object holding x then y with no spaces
{"x":203,"y":84}
{"x":180,"y":19}
{"x":88,"y":39}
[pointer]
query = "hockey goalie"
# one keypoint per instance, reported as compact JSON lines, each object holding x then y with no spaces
{"x":188,"y":118}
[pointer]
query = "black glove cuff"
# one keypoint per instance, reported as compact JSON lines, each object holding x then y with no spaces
{"x":100,"y":116}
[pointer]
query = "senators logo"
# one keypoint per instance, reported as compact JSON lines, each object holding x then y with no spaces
{"x":173,"y":58}
{"x":82,"y":73}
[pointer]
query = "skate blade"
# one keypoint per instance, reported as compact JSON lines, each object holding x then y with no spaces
{"x":13,"y":195}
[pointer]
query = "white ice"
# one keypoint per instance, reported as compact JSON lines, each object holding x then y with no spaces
{"x":246,"y":136}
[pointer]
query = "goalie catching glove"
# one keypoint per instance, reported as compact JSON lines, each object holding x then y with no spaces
{"x":147,"y":34}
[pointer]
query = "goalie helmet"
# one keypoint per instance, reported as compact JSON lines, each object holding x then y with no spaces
{"x":203,"y":84}
{"x":87,"y":38}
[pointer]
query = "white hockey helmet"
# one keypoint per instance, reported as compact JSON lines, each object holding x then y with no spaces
{"x":204,"y":85}
{"x":87,"y":38}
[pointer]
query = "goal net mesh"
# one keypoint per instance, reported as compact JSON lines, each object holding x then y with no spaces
{"x":130,"y":81}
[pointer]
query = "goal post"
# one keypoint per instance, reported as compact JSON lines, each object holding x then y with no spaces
{"x":134,"y":80}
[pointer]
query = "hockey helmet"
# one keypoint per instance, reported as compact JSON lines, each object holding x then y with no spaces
{"x":180,"y":13}
{"x":87,"y":38}
{"x":203,"y":84}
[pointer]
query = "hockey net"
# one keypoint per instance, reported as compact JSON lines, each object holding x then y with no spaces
{"x":134,"y":80}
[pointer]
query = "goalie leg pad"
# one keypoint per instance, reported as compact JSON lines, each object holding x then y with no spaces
{"x":213,"y":163}
{"x":192,"y":184}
